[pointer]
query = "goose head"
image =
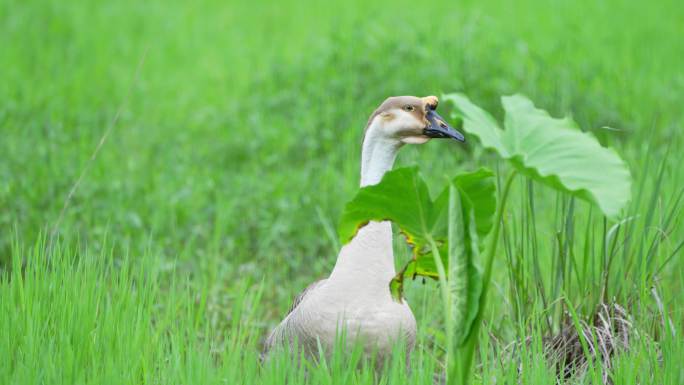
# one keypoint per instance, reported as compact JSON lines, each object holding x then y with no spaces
{"x":410,"y":120}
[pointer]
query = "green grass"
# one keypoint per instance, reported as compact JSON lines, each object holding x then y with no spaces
{"x":214,"y":199}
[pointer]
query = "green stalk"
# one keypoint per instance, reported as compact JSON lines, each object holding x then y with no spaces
{"x":451,"y":347}
{"x":468,"y":348}
{"x":446,"y":297}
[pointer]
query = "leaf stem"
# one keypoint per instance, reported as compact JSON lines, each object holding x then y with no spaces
{"x":444,"y":288}
{"x":450,"y":345}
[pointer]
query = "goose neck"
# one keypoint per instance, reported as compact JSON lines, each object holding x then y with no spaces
{"x":377,"y":157}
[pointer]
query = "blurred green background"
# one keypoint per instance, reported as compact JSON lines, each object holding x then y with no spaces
{"x":238,"y":143}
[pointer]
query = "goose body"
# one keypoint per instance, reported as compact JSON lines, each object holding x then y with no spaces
{"x":355,"y":299}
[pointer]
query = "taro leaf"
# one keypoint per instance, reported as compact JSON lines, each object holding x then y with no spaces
{"x":477,"y":197}
{"x":477,"y":189}
{"x":479,"y":192}
{"x":403,"y":198}
{"x":464,"y":278}
{"x":552,"y":151}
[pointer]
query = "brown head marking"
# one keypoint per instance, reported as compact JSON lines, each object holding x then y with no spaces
{"x":419,"y":105}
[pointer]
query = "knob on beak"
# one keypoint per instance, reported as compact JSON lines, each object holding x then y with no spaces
{"x":439,"y":128}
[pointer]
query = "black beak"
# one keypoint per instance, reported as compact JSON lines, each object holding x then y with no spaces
{"x":439,"y":128}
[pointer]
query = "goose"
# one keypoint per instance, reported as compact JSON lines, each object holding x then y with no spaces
{"x":355,"y":299}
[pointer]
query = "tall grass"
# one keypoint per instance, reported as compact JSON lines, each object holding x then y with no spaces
{"x":213,"y":201}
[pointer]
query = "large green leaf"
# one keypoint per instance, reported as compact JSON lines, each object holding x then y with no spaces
{"x":479,"y":194}
{"x":403,"y":198}
{"x":478,"y":191}
{"x":552,"y":151}
{"x":463,"y":277}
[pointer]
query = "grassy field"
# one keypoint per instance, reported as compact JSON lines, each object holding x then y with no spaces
{"x":232,"y":136}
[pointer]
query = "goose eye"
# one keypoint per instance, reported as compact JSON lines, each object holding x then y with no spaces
{"x":409,"y":108}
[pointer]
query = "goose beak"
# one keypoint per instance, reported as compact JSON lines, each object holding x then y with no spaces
{"x":439,"y":128}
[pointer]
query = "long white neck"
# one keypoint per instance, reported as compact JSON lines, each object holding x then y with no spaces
{"x":366,"y":263}
{"x":377,"y":157}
